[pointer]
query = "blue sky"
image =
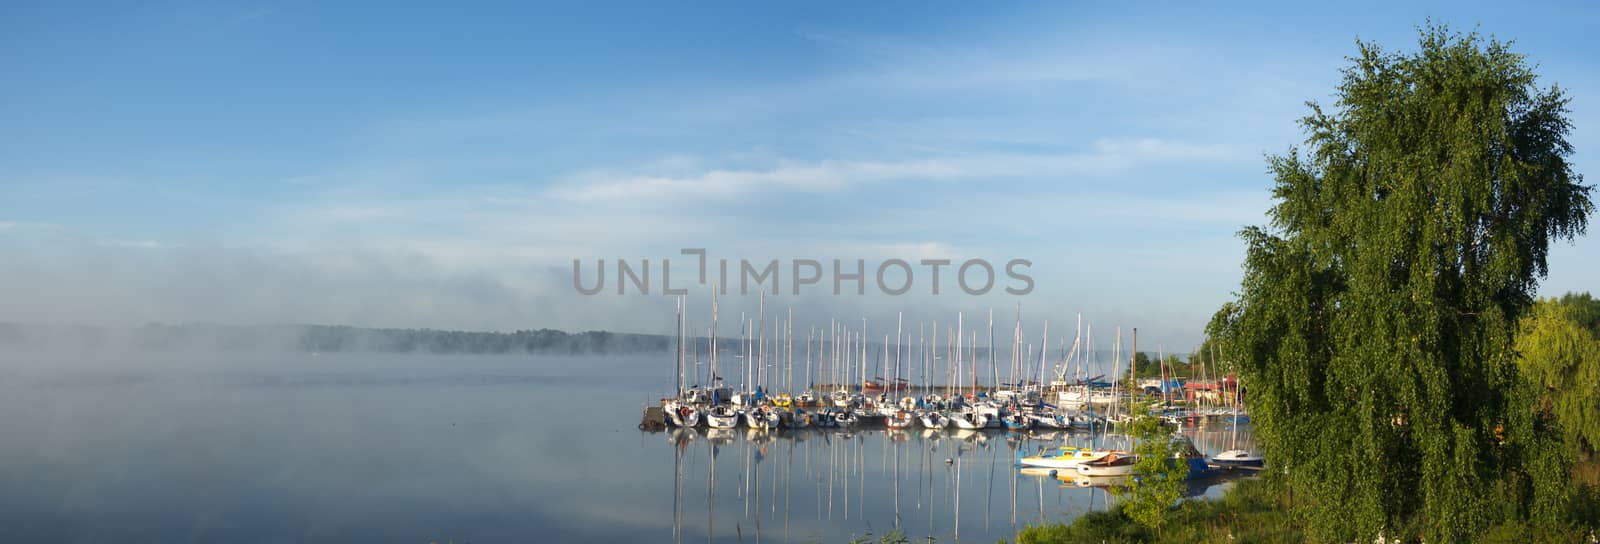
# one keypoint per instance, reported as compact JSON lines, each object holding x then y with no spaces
{"x":397,"y":164}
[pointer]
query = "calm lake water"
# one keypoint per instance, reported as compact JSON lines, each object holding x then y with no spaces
{"x":302,"y":448}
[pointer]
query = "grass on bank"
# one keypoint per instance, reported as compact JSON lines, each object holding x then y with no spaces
{"x":1258,"y":510}
{"x":1253,"y":510}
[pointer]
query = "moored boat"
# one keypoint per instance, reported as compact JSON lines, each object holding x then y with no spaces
{"x":1238,"y":458}
{"x":1016,"y":422}
{"x":969,"y":420}
{"x":723,"y":417}
{"x":682,"y":414}
{"x":1063,"y":457}
{"x":932,"y":419}
{"x":1113,"y":464}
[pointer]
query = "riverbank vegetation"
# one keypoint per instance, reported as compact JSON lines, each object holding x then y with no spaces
{"x":1404,"y":383}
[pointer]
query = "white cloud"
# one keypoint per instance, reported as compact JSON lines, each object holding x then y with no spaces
{"x":842,"y":175}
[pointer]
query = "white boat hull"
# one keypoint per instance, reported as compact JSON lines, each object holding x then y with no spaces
{"x":970,"y":420}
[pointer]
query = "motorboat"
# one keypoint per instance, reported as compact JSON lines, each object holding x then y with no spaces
{"x":1113,"y":464}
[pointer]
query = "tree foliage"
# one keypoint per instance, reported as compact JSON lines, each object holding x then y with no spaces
{"x":1560,"y":354}
{"x":1158,"y":478}
{"x":1376,"y":317}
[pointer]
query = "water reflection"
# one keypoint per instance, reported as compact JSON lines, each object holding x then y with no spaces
{"x":954,"y":485}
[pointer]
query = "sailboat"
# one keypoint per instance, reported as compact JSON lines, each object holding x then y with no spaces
{"x":682,"y":414}
{"x":900,"y":420}
{"x":1016,"y":421}
{"x":970,"y":419}
{"x":845,"y":418}
{"x":1236,"y":457}
{"x":841,"y":399}
{"x":932,"y":419}
{"x":762,"y":418}
{"x":723,"y":417}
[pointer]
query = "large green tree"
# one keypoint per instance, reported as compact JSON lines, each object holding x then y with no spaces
{"x":1375,"y":321}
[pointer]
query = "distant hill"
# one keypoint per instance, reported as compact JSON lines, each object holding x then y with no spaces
{"x":323,"y":339}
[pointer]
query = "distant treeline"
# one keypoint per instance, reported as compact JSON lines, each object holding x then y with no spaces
{"x":339,"y":338}
{"x":324,"y":339}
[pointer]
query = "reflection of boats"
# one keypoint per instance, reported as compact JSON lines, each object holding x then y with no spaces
{"x":971,"y":435}
{"x":1036,"y":471}
{"x":723,"y":417}
{"x":1093,"y":481}
{"x":1113,"y":464}
{"x":1046,"y":436}
{"x":720,"y":437}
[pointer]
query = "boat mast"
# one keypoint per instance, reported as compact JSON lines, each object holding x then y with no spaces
{"x":1044,"y":347}
{"x":714,"y":347}
{"x":1116,"y":370}
{"x":761,"y":339}
{"x":899,"y":345}
{"x":994,"y":367}
{"x":678,"y":353}
{"x":960,"y":330}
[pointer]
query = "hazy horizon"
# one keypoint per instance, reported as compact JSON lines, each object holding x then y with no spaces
{"x":422,"y":167}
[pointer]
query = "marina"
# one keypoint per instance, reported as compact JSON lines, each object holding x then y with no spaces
{"x":947,"y":485}
{"x":923,"y":410}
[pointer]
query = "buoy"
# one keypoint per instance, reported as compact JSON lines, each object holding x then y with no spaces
{"x":947,"y":461}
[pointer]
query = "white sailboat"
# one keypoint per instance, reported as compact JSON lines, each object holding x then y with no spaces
{"x":969,"y":419}
{"x":932,"y":419}
{"x":723,"y":417}
{"x":682,"y":414}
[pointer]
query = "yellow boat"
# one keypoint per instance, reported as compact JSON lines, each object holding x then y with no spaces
{"x":1062,"y":457}
{"x":782,"y":400}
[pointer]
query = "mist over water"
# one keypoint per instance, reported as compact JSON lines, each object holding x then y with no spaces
{"x":294,"y":447}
